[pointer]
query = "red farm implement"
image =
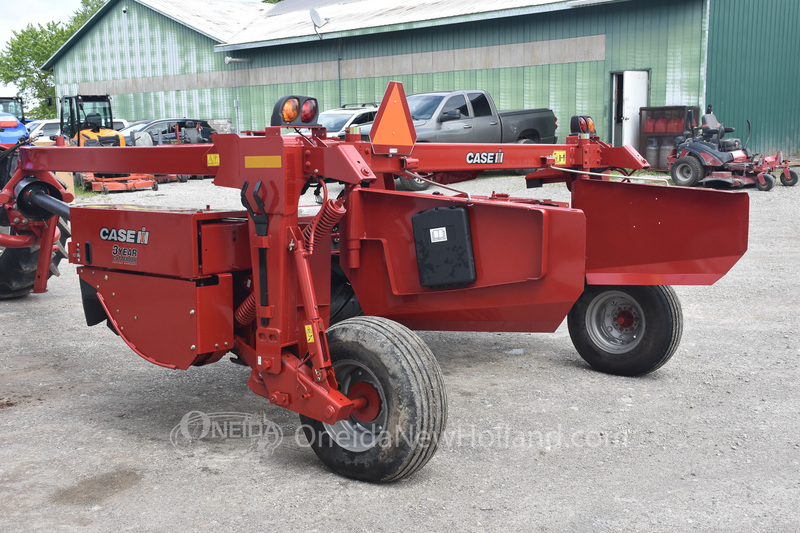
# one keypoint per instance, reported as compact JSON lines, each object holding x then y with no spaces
{"x":185,"y":287}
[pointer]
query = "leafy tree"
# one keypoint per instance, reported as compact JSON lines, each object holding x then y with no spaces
{"x":84,"y":13}
{"x":30,"y":48}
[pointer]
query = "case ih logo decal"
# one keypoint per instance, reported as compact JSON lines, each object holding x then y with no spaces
{"x":124,"y":255}
{"x":484,"y":158}
{"x":131,"y":236}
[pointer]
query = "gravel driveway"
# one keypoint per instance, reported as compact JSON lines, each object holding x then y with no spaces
{"x":92,"y":438}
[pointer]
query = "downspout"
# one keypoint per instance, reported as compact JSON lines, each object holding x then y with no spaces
{"x":236,"y":114}
{"x":339,"y":67}
{"x":704,"y":68}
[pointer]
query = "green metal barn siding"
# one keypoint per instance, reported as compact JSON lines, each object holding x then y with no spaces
{"x":754,"y":70}
{"x":151,"y":62}
{"x":134,"y":47}
{"x":663,"y":36}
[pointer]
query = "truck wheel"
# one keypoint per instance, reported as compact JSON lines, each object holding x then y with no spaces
{"x":626,"y":330}
{"x":768,"y":185}
{"x":398,"y":431}
{"x":687,"y":171}
{"x":526,"y":140}
{"x":792,"y":181}
{"x":18,"y":265}
{"x":412,"y":184}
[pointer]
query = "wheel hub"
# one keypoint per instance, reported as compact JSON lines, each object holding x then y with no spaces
{"x":364,"y":428}
{"x":367,"y":402}
{"x":625,"y":319}
{"x":615,"y":322}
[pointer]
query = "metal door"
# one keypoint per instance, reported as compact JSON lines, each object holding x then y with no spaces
{"x":631,"y":89}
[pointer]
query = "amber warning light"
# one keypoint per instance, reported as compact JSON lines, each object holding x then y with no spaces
{"x":295,"y":111}
{"x":393,"y":132}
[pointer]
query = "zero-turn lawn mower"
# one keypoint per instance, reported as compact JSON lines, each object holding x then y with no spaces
{"x":704,"y":156}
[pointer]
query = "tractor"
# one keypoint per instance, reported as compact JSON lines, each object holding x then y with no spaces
{"x":87,"y":120}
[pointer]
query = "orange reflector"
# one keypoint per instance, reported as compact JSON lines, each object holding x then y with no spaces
{"x":590,"y":123}
{"x":393,"y":131}
{"x":290,"y":110}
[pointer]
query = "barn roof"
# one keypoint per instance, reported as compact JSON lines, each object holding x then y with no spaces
{"x":290,"y":20}
{"x":242,"y":24}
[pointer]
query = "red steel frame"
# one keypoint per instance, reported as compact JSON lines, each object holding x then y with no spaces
{"x":255,"y":284}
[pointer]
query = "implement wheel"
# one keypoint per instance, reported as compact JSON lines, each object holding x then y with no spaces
{"x":791,"y":181}
{"x":397,"y":431}
{"x":687,"y":171}
{"x":768,"y":185}
{"x":626,"y":330}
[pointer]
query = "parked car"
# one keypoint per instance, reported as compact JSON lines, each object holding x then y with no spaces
{"x":44,"y":129}
{"x":11,"y":129}
{"x":338,"y":121}
{"x":120,"y":123}
{"x":168,"y":131}
{"x":133,"y":127}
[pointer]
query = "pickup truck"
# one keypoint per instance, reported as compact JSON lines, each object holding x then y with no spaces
{"x":471,"y":117}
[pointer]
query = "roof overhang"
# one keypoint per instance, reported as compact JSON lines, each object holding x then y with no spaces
{"x":306,"y":32}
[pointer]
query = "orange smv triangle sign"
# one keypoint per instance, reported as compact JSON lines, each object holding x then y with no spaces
{"x":393,"y":131}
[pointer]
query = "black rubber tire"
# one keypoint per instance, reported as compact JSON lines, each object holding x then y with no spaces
{"x":406,"y":432}
{"x":626,"y":330}
{"x":18,"y":265}
{"x":155,"y":185}
{"x":792,"y":181}
{"x":344,"y":303}
{"x":687,"y":171}
{"x":770,"y":183}
{"x":526,"y":171}
{"x":183,"y":178}
{"x":413,"y":185}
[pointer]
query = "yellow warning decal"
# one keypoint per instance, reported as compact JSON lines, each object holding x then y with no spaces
{"x":560,"y":157}
{"x":212,"y":160}
{"x":262,"y":161}
{"x":309,"y":333}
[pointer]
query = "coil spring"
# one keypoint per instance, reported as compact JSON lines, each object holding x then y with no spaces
{"x":330,"y":214}
{"x":246,"y":312}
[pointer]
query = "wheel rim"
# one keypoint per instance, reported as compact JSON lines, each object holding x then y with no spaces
{"x":615,"y":322}
{"x":684,"y":172}
{"x":353,"y":434}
